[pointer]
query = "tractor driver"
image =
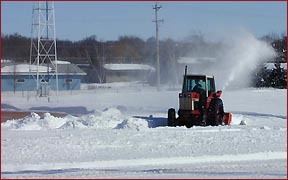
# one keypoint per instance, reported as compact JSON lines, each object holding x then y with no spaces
{"x":198,"y":88}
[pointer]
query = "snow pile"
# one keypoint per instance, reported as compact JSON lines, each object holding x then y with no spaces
{"x":133,"y":123}
{"x":35,"y":122}
{"x":237,"y":119}
{"x":243,"y":122}
{"x":31,"y":122}
{"x":108,"y":119}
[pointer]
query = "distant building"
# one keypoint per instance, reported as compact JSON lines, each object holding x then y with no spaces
{"x":272,"y":65}
{"x":127,"y":72}
{"x":16,"y":77}
{"x":85,"y":65}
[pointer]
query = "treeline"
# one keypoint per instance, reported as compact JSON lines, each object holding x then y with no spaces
{"x":131,"y":49}
{"x":127,"y":49}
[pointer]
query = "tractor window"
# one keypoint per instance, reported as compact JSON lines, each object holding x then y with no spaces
{"x":191,"y":83}
{"x":211,"y":85}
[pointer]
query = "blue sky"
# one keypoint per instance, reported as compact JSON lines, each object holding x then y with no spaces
{"x":109,"y":20}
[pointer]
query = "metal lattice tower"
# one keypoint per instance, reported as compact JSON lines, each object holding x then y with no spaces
{"x":43,"y":54}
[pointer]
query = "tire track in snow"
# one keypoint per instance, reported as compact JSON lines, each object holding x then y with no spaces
{"x":10,"y":168}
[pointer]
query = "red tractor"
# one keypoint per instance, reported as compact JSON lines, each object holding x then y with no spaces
{"x":199,"y":103}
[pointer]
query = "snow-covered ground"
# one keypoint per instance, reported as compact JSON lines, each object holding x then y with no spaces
{"x":120,"y":131}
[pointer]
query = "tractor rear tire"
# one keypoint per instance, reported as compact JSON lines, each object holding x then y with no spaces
{"x":171,"y":117}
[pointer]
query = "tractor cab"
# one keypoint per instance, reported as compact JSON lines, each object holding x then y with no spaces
{"x":202,"y":84}
{"x":192,"y":100}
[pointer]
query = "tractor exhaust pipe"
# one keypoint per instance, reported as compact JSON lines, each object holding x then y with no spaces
{"x":185,"y":77}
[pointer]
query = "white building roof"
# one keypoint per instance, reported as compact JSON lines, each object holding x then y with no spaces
{"x":6,"y":61}
{"x":24,"y":68}
{"x":61,"y":62}
{"x":195,"y":60}
{"x":272,"y":66}
{"x":120,"y":67}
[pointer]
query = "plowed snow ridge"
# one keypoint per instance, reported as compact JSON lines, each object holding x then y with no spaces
{"x":148,"y":162}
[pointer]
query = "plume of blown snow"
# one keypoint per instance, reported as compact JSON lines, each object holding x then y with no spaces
{"x":236,"y":57}
{"x":241,"y":57}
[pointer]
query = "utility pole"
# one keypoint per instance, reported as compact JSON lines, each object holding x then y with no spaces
{"x":157,"y":8}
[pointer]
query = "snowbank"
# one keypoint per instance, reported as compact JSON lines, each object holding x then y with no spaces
{"x":133,"y":123}
{"x":108,"y":119}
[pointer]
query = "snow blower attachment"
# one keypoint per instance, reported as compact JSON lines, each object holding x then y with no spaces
{"x":199,"y":103}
